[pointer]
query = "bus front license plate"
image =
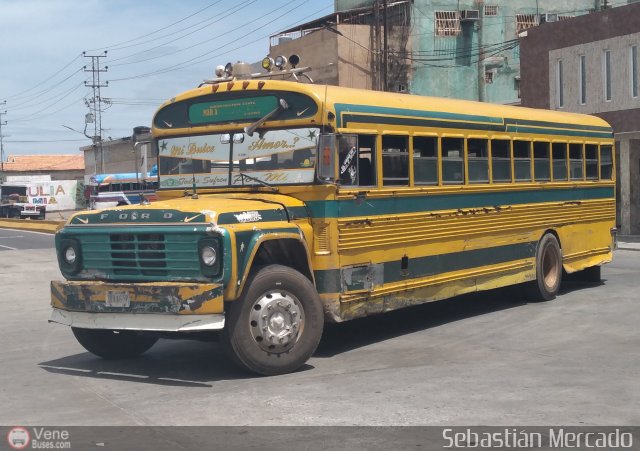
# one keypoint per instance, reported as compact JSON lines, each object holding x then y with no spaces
{"x":118,"y":299}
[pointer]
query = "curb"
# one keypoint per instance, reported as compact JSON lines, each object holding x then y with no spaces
{"x":35,"y":225}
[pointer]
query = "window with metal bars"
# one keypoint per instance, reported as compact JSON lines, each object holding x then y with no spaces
{"x":490,"y":10}
{"x":447,"y":23}
{"x":488,"y":77}
{"x":524,"y":21}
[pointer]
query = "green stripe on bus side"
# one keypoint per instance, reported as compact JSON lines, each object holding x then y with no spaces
{"x":328,"y":281}
{"x":362,"y":113}
{"x":415,"y":204}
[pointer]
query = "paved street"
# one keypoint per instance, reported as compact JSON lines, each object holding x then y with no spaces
{"x":11,"y":240}
{"x":485,"y":358}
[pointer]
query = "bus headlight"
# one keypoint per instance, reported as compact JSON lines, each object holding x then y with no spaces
{"x":70,"y":255}
{"x":208,"y":255}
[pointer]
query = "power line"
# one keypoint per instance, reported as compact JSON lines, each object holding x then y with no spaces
{"x":19,"y":95}
{"x":206,"y":56}
{"x":47,"y":141}
{"x":217,"y":36}
{"x":38,"y":95}
{"x":117,"y":46}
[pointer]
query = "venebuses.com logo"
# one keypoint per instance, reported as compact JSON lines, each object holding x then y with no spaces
{"x":18,"y":437}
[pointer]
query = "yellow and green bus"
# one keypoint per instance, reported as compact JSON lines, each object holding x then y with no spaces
{"x":283,"y":205}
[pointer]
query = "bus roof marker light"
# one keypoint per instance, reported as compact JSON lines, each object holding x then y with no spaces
{"x":280,"y":62}
{"x":260,"y":85}
{"x":245,"y":84}
{"x":294,"y":60}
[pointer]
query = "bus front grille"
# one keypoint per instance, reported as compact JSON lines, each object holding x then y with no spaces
{"x":143,"y":254}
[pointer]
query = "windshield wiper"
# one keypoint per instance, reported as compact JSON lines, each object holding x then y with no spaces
{"x":282,"y":105}
{"x":261,"y":182}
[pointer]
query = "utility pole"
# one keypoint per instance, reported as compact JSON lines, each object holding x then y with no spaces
{"x":375,"y":73}
{"x":2,"y":143}
{"x":95,"y":104}
{"x":385,"y":48}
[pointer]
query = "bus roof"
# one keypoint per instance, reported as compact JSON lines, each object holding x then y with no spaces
{"x":350,"y":100}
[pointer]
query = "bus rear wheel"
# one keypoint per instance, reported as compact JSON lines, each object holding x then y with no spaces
{"x":113,"y":344}
{"x":548,"y":271}
{"x":277,"y":323}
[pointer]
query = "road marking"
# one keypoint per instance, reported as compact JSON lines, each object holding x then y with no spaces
{"x":9,"y":237}
{"x":7,"y":247}
{"x":28,"y":231}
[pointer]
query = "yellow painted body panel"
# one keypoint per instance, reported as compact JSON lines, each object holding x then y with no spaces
{"x":146,"y":297}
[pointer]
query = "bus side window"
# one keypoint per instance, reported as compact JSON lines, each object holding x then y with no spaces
{"x":541,"y":161}
{"x":452,"y":160}
{"x":395,"y":160}
{"x":356,"y":160}
{"x":522,"y":160}
{"x":348,"y":159}
{"x":425,"y":160}
{"x":501,"y":160}
{"x":591,"y":161}
{"x":478,"y":158}
{"x":575,"y":162}
{"x":606,"y":163}
{"x":559,"y":154}
{"x":367,"y":159}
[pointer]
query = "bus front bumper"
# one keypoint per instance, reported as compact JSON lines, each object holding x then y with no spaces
{"x":154,"y":306}
{"x":151,"y":322}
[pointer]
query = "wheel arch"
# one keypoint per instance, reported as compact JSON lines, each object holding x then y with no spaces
{"x":286,"y":249}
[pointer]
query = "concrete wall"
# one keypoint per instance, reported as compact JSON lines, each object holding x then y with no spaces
{"x":621,"y":95}
{"x":318,"y":50}
{"x":118,"y":155}
{"x":354,"y":61}
{"x":346,"y":60}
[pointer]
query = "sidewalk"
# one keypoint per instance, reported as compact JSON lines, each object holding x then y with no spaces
{"x":629,"y":242}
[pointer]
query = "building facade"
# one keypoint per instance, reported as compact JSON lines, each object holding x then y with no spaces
{"x":465,"y":49}
{"x":590,"y":65}
{"x":119,"y":156}
{"x":345,"y":48}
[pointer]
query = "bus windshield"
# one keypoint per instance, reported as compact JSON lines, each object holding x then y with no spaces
{"x":273,"y":157}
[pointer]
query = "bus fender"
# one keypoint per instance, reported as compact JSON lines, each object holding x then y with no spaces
{"x":261,"y":247}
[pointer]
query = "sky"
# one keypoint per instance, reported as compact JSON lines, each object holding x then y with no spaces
{"x":155,"y":50}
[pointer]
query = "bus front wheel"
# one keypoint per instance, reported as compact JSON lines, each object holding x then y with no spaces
{"x":277,"y":323}
{"x":112,"y":344}
{"x":548,"y":271}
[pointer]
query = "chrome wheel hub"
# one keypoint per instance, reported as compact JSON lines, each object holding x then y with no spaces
{"x":276,"y":321}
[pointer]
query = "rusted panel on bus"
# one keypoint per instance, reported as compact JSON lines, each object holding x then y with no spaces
{"x":361,"y":277}
{"x":158,"y":297}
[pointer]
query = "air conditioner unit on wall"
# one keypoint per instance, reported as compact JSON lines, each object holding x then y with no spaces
{"x":470,"y":14}
{"x":544,"y":18}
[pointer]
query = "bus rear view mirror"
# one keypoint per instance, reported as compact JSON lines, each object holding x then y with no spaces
{"x":326,"y":157}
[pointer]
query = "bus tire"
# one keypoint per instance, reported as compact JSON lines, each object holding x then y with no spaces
{"x":112,"y":344}
{"x":548,"y":271}
{"x":276,"y":325}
